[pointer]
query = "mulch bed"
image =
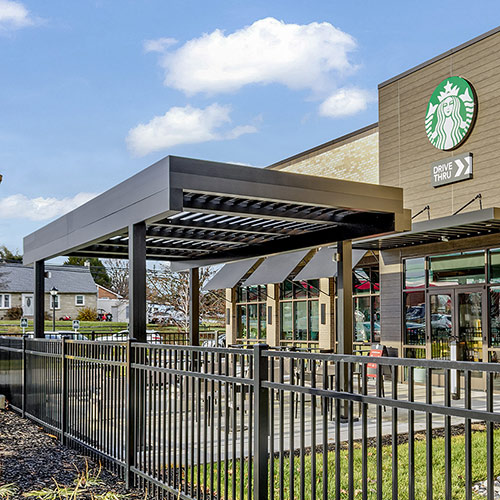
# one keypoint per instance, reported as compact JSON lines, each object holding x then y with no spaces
{"x":33,"y":460}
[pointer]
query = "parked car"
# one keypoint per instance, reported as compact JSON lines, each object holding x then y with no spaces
{"x":71,"y":334}
{"x":152,"y":336}
{"x":221,"y":341}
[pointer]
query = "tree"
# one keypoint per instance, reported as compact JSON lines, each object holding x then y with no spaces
{"x":7,"y":255}
{"x":118,"y":275}
{"x":170,"y":288}
{"x":97,"y":269}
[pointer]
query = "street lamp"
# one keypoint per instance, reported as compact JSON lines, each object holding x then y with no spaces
{"x":53,"y":294}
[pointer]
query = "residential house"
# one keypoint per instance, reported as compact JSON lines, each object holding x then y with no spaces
{"x":75,"y":285}
{"x":112,"y":303}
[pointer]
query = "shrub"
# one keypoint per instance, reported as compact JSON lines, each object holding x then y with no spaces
{"x":87,"y":314}
{"x":14,"y":313}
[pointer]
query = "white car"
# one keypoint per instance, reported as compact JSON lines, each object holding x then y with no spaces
{"x":152,"y":336}
{"x":71,"y":334}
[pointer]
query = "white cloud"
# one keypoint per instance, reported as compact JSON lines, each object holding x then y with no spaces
{"x":19,"y":206}
{"x":345,"y":102}
{"x":158,"y":45}
{"x":185,"y":125}
{"x":14,"y":15}
{"x":268,"y":51}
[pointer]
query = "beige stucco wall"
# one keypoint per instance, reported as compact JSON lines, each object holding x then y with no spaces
{"x":355,"y":158}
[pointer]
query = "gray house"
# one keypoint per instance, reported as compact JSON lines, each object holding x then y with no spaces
{"x":75,"y":285}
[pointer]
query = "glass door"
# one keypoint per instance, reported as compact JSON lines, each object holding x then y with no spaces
{"x":457,"y":315}
{"x":441,"y":323}
{"x":470,"y":324}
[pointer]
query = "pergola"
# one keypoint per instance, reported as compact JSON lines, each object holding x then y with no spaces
{"x":195,"y":213}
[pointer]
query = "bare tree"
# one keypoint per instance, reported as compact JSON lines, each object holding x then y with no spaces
{"x":171,"y":288}
{"x":118,"y":274}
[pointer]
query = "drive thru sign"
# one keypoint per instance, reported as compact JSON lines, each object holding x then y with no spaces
{"x":455,"y":169}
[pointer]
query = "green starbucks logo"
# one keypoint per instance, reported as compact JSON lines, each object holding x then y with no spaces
{"x":450,"y":113}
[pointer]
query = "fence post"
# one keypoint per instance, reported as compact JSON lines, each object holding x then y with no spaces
{"x":130,"y":445}
{"x":261,"y":423}
{"x":64,"y":390}
{"x":23,"y":413}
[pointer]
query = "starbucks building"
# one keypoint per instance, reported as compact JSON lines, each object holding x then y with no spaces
{"x":415,"y":292}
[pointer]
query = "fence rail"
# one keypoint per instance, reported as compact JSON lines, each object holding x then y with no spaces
{"x":240,"y":423}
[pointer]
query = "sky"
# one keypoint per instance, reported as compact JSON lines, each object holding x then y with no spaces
{"x":92,"y":92}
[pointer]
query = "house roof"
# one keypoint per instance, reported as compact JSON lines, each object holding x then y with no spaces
{"x":100,"y":287}
{"x":67,"y":279}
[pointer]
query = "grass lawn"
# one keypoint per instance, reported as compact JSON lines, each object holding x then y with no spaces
{"x":458,"y":470}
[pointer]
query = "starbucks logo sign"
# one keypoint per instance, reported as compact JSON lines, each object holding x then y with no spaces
{"x":451,"y":113}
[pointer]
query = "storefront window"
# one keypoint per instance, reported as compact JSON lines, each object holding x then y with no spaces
{"x":495,"y":316}
{"x":286,"y":320}
{"x":314,"y":319}
{"x":362,"y":324}
{"x":494,"y":265}
{"x":414,"y":318}
{"x":299,"y":310}
{"x":366,"y":304}
{"x":457,"y":269}
{"x":251,"y":312}
{"x":361,"y":283}
{"x":415,"y":273}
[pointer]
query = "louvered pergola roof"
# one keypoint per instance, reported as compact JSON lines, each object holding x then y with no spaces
{"x":199,"y":212}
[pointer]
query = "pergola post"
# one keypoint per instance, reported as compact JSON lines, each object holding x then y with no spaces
{"x":344,"y":313}
{"x":137,"y":281}
{"x":344,"y":298}
{"x":39,"y":299}
{"x":194,"y":306}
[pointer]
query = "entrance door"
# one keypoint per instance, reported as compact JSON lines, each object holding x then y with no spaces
{"x":441,"y":309}
{"x":27,"y":305}
{"x":470,"y":324}
{"x":457,"y":314}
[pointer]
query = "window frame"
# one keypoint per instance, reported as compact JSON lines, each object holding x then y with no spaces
{"x":83,"y":300}
{"x":300,"y":292}
{"x":2,"y":300}
{"x":246,"y":297}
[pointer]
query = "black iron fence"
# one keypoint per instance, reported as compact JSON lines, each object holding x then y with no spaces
{"x":208,"y":423}
{"x":116,"y":334}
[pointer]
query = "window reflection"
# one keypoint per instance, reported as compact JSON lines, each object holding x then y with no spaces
{"x":414,"y":318}
{"x":457,"y":269}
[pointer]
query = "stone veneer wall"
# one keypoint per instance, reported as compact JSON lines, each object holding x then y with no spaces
{"x":355,"y":159}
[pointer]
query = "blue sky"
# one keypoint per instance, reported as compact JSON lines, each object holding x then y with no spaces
{"x":91,"y":92}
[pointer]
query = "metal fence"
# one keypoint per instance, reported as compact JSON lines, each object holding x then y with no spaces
{"x":111,"y":333}
{"x":208,"y":423}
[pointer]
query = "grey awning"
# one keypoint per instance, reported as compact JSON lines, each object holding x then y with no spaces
{"x":324,"y":264}
{"x":230,"y":274}
{"x":452,"y":227}
{"x":276,"y":269}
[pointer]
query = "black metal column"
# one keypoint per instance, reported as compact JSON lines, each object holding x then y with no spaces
{"x":344,"y":314}
{"x":194,"y":306}
{"x":137,"y":281}
{"x":39,"y":299}
{"x":344,"y":298}
{"x":261,"y":423}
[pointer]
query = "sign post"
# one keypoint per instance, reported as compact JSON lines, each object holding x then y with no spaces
{"x":24,"y":324}
{"x":76,"y":325}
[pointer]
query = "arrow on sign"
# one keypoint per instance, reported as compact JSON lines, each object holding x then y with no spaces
{"x":462,"y":166}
